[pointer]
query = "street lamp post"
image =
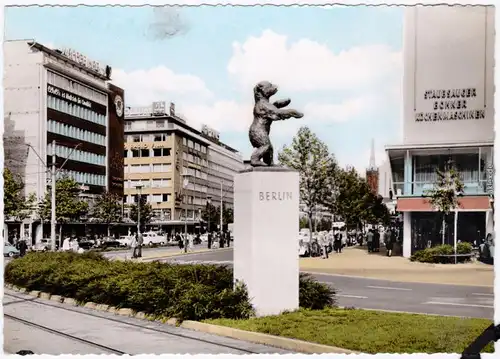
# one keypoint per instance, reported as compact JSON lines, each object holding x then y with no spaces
{"x":221,"y":195}
{"x":185,"y":183}
{"x":139,"y":197}
{"x":209,"y":200}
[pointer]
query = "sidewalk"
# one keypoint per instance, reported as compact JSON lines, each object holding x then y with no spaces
{"x":357,"y":262}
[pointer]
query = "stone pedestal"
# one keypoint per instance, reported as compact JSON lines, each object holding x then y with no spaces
{"x":266,"y":246}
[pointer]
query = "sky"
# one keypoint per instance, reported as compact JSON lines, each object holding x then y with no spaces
{"x":340,"y":66}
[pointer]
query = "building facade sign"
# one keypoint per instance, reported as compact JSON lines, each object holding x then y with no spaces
{"x":83,"y":60}
{"x":138,"y":111}
{"x":450,"y":105}
{"x":490,"y":179}
{"x":56,"y":91}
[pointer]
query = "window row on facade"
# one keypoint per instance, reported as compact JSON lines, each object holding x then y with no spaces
{"x":144,"y":125}
{"x":149,"y":183}
{"x":194,"y":159}
{"x":147,"y":168}
{"x":146,"y":152}
{"x":150,"y":198}
{"x":186,"y":171}
{"x":75,"y":132}
{"x":84,"y":178}
{"x":77,"y":88}
{"x":194,"y":145}
{"x":73,"y":109}
{"x":78,"y":155}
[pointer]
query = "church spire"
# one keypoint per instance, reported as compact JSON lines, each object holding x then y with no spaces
{"x":372,"y":166}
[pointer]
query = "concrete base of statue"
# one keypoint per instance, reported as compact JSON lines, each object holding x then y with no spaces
{"x":266,"y":246}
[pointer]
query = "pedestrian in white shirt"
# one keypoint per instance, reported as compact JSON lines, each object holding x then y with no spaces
{"x":323,"y":241}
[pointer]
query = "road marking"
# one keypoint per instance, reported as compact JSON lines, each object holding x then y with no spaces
{"x":389,"y":288}
{"x":484,"y":294}
{"x":351,"y":296}
{"x":460,"y":304}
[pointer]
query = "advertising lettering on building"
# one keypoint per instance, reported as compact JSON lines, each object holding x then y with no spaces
{"x":116,"y":139}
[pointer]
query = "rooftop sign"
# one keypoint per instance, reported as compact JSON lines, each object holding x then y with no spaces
{"x":84,"y":61}
{"x":210,"y":132}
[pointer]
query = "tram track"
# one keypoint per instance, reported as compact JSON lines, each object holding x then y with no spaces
{"x":165,"y":331}
{"x":107,"y":349}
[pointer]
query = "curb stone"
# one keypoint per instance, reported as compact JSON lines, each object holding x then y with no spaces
{"x":266,"y":339}
{"x":44,"y":295}
{"x":35,"y":293}
{"x":70,"y":301}
{"x":295,"y":345}
{"x":56,"y":298}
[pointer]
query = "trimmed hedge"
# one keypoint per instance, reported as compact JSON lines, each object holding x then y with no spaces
{"x":432,"y":255}
{"x":186,"y":292}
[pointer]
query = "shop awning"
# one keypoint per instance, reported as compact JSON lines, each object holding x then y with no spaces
{"x":421,"y":204}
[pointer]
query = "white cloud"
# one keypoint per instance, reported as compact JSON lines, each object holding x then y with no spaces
{"x":306,"y":65}
{"x":158,"y":84}
{"x":229,"y":116}
{"x":340,"y":112}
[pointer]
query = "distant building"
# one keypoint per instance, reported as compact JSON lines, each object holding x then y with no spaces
{"x":448,"y":102}
{"x":176,"y":167}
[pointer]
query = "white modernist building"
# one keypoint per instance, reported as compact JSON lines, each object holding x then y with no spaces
{"x":53,"y":96}
{"x":448,"y":114}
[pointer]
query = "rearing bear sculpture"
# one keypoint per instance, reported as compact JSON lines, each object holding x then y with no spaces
{"x":264,"y":114}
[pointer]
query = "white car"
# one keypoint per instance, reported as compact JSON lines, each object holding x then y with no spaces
{"x":152,"y":238}
{"x":124,"y":241}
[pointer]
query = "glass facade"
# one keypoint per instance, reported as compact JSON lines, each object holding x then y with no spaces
{"x":78,"y":155}
{"x":73,"y":109}
{"x":415,"y":174}
{"x":85,"y":178}
{"x":75,"y":132}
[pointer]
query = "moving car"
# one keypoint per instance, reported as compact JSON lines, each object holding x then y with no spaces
{"x":10,"y":251}
{"x":42,"y":246}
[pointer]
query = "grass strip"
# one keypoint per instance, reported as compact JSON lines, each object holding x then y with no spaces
{"x":369,"y":331}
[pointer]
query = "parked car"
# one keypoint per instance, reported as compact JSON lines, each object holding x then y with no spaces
{"x":152,"y":238}
{"x":10,"y":251}
{"x":42,"y":246}
{"x":124,"y":241}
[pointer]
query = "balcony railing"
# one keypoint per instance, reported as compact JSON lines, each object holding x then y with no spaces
{"x":421,"y":188}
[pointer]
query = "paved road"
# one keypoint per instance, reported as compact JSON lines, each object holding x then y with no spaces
{"x":76,"y":330}
{"x":149,"y":252}
{"x":370,"y":293}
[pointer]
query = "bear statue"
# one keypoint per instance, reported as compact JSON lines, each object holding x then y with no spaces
{"x":264,"y":114}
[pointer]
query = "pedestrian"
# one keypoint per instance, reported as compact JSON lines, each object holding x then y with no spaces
{"x":140,"y":241}
{"x":178,"y":239}
{"x":209,"y":240}
{"x":376,"y":240}
{"x":221,"y":240}
{"x":22,"y":248}
{"x":133,"y":246}
{"x":323,"y":239}
{"x":337,"y":242}
{"x":369,"y":240}
{"x":389,"y":245}
{"x":228,"y":239}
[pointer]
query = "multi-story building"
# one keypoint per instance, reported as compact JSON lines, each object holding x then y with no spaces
{"x":448,"y":114}
{"x":178,"y":168}
{"x":61,"y":101}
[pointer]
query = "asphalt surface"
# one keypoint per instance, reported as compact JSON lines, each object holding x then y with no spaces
{"x":47,"y":327}
{"x":367,"y":293}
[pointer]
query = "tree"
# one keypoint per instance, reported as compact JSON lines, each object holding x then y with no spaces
{"x":69,"y":205}
{"x":444,"y":195}
{"x":311,"y":158}
{"x":146,"y":211}
{"x":16,"y":206}
{"x":209,"y":215}
{"x":350,"y":197}
{"x":107,"y":209}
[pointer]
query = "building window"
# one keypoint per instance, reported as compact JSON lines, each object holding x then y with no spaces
{"x":160,"y":137}
{"x":125,"y":154}
{"x":160,"y":123}
{"x":161,"y":152}
{"x":136,"y":138}
{"x":135,"y":153}
{"x":139,"y":168}
{"x":166,"y":197}
{"x":162,"y":167}
{"x":145,"y":152}
{"x":184,"y":141}
{"x":190,"y":144}
{"x":128,"y":125}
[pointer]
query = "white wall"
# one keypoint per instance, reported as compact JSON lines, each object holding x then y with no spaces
{"x":447,"y":48}
{"x":24,"y":108}
{"x":384,"y":179}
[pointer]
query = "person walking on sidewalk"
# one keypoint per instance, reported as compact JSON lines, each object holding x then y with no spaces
{"x":133,"y":246}
{"x":323,"y":239}
{"x":389,"y":243}
{"x":178,"y":239}
{"x":209,"y":240}
{"x":369,"y":240}
{"x":22,"y":248}
{"x":140,"y":241}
